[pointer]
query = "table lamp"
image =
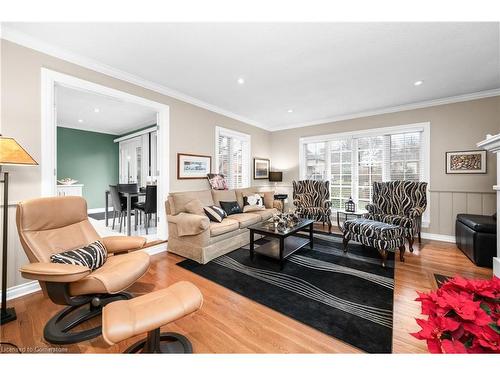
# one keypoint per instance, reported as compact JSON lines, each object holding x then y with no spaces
{"x":275,"y":177}
{"x":11,"y":153}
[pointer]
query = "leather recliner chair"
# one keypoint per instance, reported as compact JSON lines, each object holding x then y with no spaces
{"x":52,"y":225}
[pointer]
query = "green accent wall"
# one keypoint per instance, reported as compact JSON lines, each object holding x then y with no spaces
{"x":89,"y":157}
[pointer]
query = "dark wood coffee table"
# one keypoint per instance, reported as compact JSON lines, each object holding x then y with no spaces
{"x":288,"y":241}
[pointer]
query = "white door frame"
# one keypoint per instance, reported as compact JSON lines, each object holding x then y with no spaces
{"x":49,"y":79}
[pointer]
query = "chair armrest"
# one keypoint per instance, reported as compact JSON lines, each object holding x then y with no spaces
{"x":297,"y":202}
{"x":373,"y":209}
{"x":326,"y":203}
{"x":416,"y":212}
{"x":119,"y":244}
{"x":189,"y":224}
{"x":54,"y":272}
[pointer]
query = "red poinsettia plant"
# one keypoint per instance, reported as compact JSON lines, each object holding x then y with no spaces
{"x":463,"y":317}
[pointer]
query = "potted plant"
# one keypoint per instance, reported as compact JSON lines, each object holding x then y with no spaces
{"x":463,"y":317}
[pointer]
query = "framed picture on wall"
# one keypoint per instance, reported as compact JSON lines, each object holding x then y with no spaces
{"x":464,"y":162}
{"x":191,"y":166}
{"x":261,"y":168}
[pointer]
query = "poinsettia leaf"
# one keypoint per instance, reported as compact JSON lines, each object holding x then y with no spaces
{"x":446,"y":335}
{"x":468,"y":343}
{"x":494,"y":327}
{"x":485,"y":307}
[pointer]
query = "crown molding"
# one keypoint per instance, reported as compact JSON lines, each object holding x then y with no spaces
{"x":399,"y":108}
{"x":25,"y":40}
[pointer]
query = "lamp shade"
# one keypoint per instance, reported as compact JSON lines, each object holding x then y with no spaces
{"x":275,"y":176}
{"x":11,"y":153}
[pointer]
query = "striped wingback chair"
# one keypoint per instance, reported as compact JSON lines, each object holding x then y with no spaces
{"x":312,"y":200}
{"x":400,"y":203}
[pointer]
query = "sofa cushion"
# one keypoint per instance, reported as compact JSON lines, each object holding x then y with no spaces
{"x":246,"y":219}
{"x":267,"y":213}
{"x":478,"y":223}
{"x":225,"y":226}
{"x":180,"y":199}
{"x":240,"y":193}
{"x":268,"y":198}
{"x":223,"y":195}
{"x":231,"y":208}
{"x":194,"y":207}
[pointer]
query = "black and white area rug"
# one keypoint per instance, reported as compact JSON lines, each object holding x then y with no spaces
{"x":349,"y":297}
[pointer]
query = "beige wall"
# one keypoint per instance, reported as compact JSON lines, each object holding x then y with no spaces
{"x":457,"y":126}
{"x":192,"y":129}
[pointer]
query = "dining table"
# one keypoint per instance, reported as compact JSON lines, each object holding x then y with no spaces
{"x":128,"y":196}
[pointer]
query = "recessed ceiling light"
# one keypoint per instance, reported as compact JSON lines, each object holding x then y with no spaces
{"x":97,"y":110}
{"x":290,"y":111}
{"x":418,"y":83}
{"x":80,"y":120}
{"x":241,"y":81}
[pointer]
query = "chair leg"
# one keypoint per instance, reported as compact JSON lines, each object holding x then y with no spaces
{"x":146,"y":222}
{"x":402,"y":249}
{"x":345,"y":241}
{"x":410,"y":243}
{"x":135,"y":219}
{"x":114,"y":217}
{"x":121,"y":221}
{"x":419,"y":237}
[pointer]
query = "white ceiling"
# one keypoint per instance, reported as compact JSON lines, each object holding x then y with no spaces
{"x":113,"y":116}
{"x":320,"y":71}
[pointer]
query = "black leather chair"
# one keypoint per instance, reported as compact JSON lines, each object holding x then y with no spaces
{"x":148,"y":206}
{"x":476,"y":236}
{"x":128,"y":188}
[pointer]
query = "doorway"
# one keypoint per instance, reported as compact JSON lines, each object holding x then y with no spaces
{"x":134,"y":169}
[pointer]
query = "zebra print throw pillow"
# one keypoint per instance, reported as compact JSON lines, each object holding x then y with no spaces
{"x":92,"y":256}
{"x":215,"y":213}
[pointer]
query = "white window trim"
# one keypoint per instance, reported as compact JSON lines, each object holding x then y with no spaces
{"x":235,"y":134}
{"x":424,"y":127}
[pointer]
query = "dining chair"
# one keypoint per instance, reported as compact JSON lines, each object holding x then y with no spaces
{"x":119,"y":206}
{"x":128,"y":188}
{"x":148,"y":206}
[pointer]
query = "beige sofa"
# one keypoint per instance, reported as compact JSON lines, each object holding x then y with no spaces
{"x":194,"y":236}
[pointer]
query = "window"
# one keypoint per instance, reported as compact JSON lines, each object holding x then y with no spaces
{"x":232,"y":157}
{"x":353,"y":161}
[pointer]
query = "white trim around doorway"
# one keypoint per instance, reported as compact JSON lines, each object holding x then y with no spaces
{"x":49,"y":79}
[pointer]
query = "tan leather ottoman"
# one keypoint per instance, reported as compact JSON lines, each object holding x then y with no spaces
{"x":124,"y":319}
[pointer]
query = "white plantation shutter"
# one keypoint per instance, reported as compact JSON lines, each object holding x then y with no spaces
{"x":352,"y":163}
{"x":232,"y":156}
{"x":405,"y":156}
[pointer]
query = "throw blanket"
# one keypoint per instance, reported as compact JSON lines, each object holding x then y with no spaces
{"x":189,"y":224}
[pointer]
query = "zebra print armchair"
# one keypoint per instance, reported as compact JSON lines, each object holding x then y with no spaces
{"x":312,"y":200}
{"x":400,"y":203}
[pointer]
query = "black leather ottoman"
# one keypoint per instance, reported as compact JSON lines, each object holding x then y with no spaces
{"x":476,"y":236}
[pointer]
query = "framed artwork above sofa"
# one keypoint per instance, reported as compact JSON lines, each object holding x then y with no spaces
{"x":192,"y":166}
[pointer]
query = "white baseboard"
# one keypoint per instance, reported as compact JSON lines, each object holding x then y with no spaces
{"x":156,"y":249}
{"x":496,"y":266}
{"x":22,"y":289}
{"x":97,"y":210}
{"x":438,"y":237}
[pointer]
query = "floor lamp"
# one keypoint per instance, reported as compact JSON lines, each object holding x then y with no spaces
{"x":11,"y":153}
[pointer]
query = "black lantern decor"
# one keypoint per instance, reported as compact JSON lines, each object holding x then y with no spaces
{"x":350,"y":206}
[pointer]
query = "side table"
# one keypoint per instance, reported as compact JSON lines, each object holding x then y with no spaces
{"x":282,"y":198}
{"x":346,"y":214}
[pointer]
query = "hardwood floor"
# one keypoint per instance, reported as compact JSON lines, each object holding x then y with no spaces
{"x":230,"y":323}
